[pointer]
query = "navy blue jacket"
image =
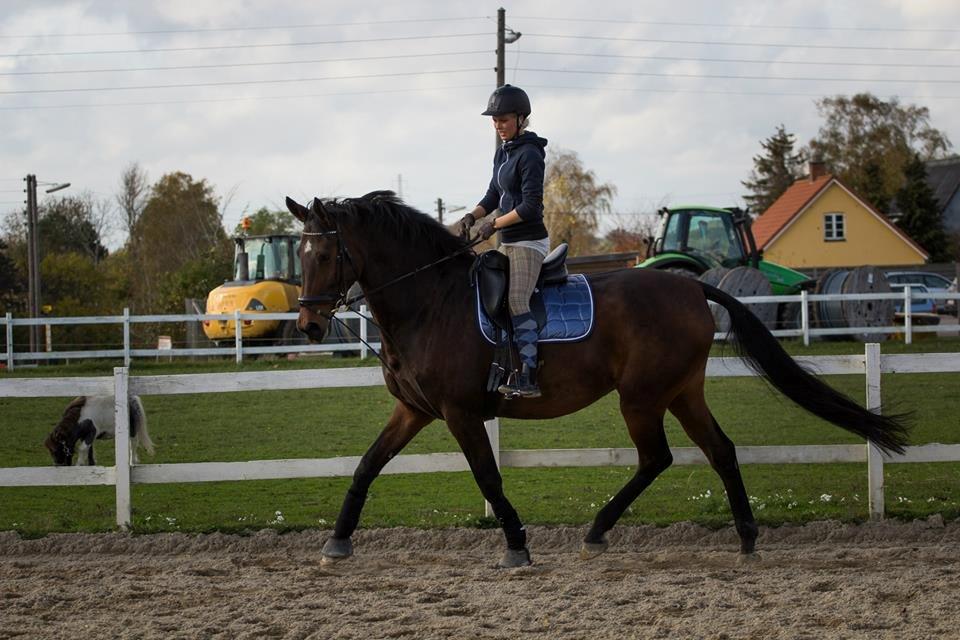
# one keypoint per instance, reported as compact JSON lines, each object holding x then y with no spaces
{"x":518,"y":168}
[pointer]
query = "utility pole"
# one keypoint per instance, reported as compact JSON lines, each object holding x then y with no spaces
{"x":503,"y":39}
{"x":33,"y":254}
{"x":440,"y":210}
{"x":33,"y":260}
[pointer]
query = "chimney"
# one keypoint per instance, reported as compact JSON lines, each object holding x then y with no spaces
{"x":818,"y":169}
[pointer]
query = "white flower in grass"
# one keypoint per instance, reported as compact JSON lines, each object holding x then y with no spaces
{"x":826,"y":497}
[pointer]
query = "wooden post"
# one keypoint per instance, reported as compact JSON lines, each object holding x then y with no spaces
{"x":363,"y":332}
{"x":237,"y":335}
{"x":874,"y":455}
{"x":121,"y":414}
{"x":907,"y":315}
{"x":805,"y":317}
{"x":126,"y":336}
{"x":9,"y":341}
{"x":493,"y":434}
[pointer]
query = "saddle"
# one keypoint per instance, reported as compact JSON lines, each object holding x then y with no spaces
{"x":490,"y":274}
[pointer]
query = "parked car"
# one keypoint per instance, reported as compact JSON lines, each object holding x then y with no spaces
{"x":934,"y":282}
{"x":917,"y":305}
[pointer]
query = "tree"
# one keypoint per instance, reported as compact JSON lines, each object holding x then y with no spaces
{"x":134,"y":189}
{"x":11,"y":281}
{"x":72,"y":224}
{"x":573,"y":201}
{"x":180,"y":223}
{"x":266,"y":222}
{"x":920,"y":213}
{"x":773,"y":171}
{"x":867,"y":142}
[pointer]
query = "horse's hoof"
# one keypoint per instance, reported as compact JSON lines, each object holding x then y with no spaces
{"x":515,"y":558}
{"x":336,"y":549}
{"x":590,"y":550}
{"x":748,"y":558}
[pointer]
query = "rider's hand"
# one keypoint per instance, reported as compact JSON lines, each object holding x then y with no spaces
{"x":461,"y":228}
{"x":486,"y":230}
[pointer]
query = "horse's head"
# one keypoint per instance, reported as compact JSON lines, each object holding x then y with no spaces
{"x":62,"y":441}
{"x":328,"y":271}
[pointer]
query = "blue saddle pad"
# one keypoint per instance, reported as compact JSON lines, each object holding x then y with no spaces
{"x":569,"y":307}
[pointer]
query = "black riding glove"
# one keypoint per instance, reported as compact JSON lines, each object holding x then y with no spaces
{"x":461,"y":227}
{"x":486,"y":230}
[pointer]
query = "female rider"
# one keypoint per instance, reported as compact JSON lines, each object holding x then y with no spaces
{"x":516,"y":194}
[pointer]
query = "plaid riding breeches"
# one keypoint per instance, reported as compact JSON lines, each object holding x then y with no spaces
{"x":525,"y":266}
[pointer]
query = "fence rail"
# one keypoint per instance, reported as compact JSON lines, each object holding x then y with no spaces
{"x":127,"y":352}
{"x":872,"y":365}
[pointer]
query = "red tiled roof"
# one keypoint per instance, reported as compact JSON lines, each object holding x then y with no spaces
{"x":786,"y":207}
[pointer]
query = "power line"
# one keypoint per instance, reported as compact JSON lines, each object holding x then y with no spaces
{"x":229,"y":83}
{"x":242,"y":64}
{"x":777,"y":94}
{"x":745,"y":60}
{"x":742,"y":44}
{"x":223,"y":47}
{"x":242,"y":98}
{"x":730,"y":76}
{"x":284,"y":27}
{"x":720,"y":25}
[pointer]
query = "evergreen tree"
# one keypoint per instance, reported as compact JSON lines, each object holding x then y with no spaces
{"x":773,"y":171}
{"x":920,"y":215}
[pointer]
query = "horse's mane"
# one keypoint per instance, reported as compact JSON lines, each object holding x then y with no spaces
{"x":69,"y":419}
{"x":383,"y":214}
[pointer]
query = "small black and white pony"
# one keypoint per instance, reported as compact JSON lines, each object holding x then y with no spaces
{"x":90,"y":418}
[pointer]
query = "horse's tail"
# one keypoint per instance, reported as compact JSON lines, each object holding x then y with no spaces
{"x":139,"y":417}
{"x":754,"y":343}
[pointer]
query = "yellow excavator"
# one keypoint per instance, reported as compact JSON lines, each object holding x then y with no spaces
{"x":266,"y":279}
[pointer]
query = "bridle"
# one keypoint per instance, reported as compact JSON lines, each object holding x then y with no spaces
{"x":338,"y":297}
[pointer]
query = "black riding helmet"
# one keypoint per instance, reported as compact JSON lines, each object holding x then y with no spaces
{"x":508,"y":99}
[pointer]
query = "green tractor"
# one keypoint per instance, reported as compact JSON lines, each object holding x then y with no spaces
{"x":717,"y":246}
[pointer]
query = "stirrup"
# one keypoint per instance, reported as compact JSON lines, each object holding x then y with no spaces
{"x":511,"y":388}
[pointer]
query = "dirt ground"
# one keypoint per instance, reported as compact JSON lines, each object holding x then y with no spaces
{"x":824,"y":580}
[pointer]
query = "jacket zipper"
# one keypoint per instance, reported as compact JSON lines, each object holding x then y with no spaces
{"x":506,"y":159}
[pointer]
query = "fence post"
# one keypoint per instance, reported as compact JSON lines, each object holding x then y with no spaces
{"x":805,"y":317}
{"x":874,"y":455}
{"x":237,"y":335}
{"x":363,"y":332}
{"x":907,"y":316}
{"x":493,"y":434}
{"x":121,"y":414}
{"x":126,"y":336}
{"x":9,"y":341}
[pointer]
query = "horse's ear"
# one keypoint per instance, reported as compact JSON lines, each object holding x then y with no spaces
{"x":299,"y":211}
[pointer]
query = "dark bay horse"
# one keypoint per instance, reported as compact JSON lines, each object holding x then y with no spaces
{"x":650,"y":342}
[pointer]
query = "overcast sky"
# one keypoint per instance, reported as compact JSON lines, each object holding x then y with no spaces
{"x":667,"y":101}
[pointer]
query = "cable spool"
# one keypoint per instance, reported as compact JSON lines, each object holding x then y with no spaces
{"x":714,"y":276}
{"x":741,"y":282}
{"x":854,"y":313}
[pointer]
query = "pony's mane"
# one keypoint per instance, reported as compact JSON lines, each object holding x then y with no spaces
{"x":382,"y":213}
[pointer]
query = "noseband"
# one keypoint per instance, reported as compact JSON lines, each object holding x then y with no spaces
{"x":328,"y":297}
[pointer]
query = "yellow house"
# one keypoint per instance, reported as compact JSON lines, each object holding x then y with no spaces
{"x":820,"y":222}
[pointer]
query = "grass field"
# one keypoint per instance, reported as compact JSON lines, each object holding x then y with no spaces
{"x":337,"y":422}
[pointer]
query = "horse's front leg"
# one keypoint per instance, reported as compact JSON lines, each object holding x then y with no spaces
{"x":473,"y":440}
{"x":405,"y":423}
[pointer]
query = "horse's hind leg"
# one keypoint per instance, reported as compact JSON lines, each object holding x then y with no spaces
{"x":405,"y":423}
{"x":690,"y":408}
{"x":645,"y":425}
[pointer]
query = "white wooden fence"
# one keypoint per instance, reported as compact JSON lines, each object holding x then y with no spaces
{"x":239,"y":350}
{"x":123,"y":474}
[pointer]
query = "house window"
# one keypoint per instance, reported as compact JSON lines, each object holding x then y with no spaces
{"x":834,"y":227}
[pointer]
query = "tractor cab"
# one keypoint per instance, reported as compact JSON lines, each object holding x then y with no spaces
{"x":704,"y":237}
